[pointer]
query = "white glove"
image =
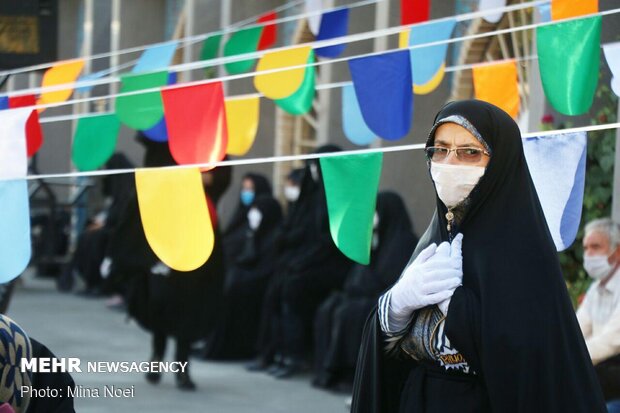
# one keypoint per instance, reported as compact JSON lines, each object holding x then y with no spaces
{"x":456,"y":255}
{"x":430,"y":279}
{"x":104,"y":269}
{"x":160,"y":269}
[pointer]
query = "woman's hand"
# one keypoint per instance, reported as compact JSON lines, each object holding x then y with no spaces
{"x":430,"y":279}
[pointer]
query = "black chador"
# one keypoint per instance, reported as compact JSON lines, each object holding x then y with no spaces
{"x":246,"y":280}
{"x":340,"y":319}
{"x":511,"y":322}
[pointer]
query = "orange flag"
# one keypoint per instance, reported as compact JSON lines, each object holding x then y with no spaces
{"x":564,"y":9}
{"x":497,"y":84}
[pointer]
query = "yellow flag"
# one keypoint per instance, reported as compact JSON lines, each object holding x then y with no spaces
{"x":242,"y":119}
{"x":280,"y":85}
{"x":64,"y":72}
{"x":565,"y":9}
{"x":497,"y":84}
{"x":403,"y":39}
{"x":175,"y":216}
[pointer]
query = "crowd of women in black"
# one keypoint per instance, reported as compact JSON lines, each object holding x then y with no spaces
{"x":276,"y":290}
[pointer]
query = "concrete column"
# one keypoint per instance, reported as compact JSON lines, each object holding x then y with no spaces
{"x":115,"y":41}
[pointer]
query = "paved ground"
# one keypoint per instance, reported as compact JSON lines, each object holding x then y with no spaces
{"x":72,"y":326}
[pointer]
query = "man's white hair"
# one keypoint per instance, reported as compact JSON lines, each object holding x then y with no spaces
{"x":606,"y":226}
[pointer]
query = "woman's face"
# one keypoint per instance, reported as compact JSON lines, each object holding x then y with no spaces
{"x":247,"y":185}
{"x":453,"y":136}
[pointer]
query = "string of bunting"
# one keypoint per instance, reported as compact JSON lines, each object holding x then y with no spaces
{"x":201,"y":126}
{"x":318,"y":44}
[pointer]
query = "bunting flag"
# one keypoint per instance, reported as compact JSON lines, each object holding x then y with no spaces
{"x":333,"y":24}
{"x":403,"y":39}
{"x":565,"y":9}
{"x":13,"y":154}
{"x":544,"y":11}
{"x":314,"y":21}
{"x":282,"y":84}
{"x":428,"y":63}
{"x":557,"y":164}
{"x":490,"y":5}
{"x":88,"y":78}
{"x":196,"y":120}
{"x":383,"y":89}
{"x":34,"y":134}
{"x":241,"y":42}
{"x":141,"y":111}
{"x":60,"y":74}
{"x":156,"y":58}
{"x":15,"y":250}
{"x":574,"y":47}
{"x":612,"y":55}
{"x":211,"y":47}
{"x":270,"y":31}
{"x":351,"y":184}
{"x":242,"y":119}
{"x":159,"y":132}
{"x":414,"y":11}
{"x":353,"y":124}
{"x":300,"y":102}
{"x":498,"y":84}
{"x":175,"y":216}
{"x":94,"y":141}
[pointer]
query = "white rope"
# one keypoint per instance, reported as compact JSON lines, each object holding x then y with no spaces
{"x":325,"y":86}
{"x":315,"y":64}
{"x":183,"y":67}
{"x":289,"y":158}
{"x":196,"y":38}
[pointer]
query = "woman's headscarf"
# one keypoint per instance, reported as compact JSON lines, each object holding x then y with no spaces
{"x":14,"y":345}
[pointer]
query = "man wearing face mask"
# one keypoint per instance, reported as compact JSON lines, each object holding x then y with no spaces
{"x":599,"y":314}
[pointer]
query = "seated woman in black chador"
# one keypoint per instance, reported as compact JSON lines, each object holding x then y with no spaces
{"x":488,"y":327}
{"x":339,"y":321}
{"x":246,"y":280}
{"x":253,"y":185}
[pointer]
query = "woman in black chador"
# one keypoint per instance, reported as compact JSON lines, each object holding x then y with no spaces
{"x":169,"y":303}
{"x":340,"y":319}
{"x":253,"y":185}
{"x":480,"y":320}
{"x":309,"y":267}
{"x":246,"y":281}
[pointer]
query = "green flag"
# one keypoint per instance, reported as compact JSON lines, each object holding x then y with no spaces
{"x":351,"y":185}
{"x":144,"y":110}
{"x":569,"y":56}
{"x":300,"y":102}
{"x":94,"y":141}
{"x":210,"y":47}
{"x":241,"y":42}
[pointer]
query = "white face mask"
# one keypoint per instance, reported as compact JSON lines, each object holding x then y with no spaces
{"x":597,"y":266}
{"x":254,"y":218}
{"x":291,"y":193}
{"x":314,"y":171}
{"x":455,"y":182}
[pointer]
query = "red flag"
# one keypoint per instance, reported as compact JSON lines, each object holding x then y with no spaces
{"x":34,"y":135}
{"x":196,"y":122}
{"x":270,"y":31}
{"x":414,"y":11}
